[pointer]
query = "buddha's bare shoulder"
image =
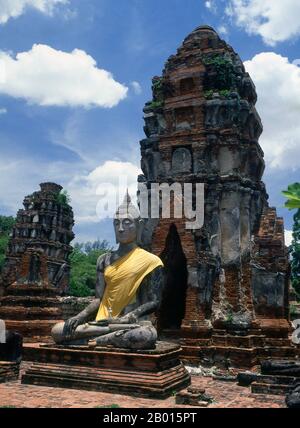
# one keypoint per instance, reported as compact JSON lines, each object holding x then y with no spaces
{"x":103,"y":261}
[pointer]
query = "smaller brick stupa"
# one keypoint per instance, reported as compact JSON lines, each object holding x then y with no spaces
{"x":36,"y":270}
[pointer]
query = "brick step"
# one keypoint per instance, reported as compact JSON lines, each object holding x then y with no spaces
{"x":225,"y":356}
{"x":37,"y":339}
{"x":21,"y":313}
{"x":272,"y":389}
{"x":9,"y":371}
{"x":247,"y":332}
{"x":275,"y":328}
{"x":237,"y":341}
{"x":268,"y":352}
{"x":29,"y":301}
{"x":203,"y":332}
{"x":270,"y":341}
{"x":33,"y":331}
{"x":274,"y":379}
{"x":195,"y":342}
{"x":190,"y":351}
{"x":25,"y":290}
{"x":94,"y":373}
{"x":248,"y":378}
{"x":158,"y":385}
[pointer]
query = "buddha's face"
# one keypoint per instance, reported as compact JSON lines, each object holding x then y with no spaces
{"x":125,"y":229}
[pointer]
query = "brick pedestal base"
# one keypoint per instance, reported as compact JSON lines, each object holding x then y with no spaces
{"x":156,"y":373}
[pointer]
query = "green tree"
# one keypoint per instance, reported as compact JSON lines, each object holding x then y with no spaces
{"x":220,"y":75}
{"x":83,"y":267}
{"x":293,"y":202}
{"x":63,"y":198}
{"x":6,"y":226}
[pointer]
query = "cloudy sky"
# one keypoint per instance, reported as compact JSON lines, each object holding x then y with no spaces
{"x":74,"y":77}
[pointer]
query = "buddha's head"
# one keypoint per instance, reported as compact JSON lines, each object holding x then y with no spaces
{"x":127,"y":222}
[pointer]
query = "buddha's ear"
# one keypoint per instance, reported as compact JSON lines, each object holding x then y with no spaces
{"x":140,"y":228}
{"x":117,"y":242}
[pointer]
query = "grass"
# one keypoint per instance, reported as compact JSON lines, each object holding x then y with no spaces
{"x":108,"y":406}
{"x":8,"y":407}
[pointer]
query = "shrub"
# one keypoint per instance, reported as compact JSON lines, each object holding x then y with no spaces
{"x":83,"y":262}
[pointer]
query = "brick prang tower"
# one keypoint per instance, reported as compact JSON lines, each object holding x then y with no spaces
{"x":226,"y":292}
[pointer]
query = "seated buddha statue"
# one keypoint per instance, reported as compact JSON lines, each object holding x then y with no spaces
{"x":128,"y":290}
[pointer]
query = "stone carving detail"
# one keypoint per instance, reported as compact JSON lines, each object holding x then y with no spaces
{"x":151,"y":162}
{"x":223,"y":113}
{"x":181,"y":160}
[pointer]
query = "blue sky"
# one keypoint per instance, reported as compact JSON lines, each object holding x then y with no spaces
{"x":79,"y":139}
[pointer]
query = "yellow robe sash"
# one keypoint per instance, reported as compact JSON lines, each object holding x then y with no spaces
{"x":123,"y":278}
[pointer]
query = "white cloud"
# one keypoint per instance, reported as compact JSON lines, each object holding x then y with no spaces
{"x":274,"y":20}
{"x":21,"y":176}
{"x":223,"y":30}
{"x":278,"y":86}
{"x":14,"y":8}
{"x":136,"y":87}
{"x":211,"y":5}
{"x":288,"y":235}
{"x":86,"y":189}
{"x":95,"y":195}
{"x":50,"y":77}
{"x":3,"y":111}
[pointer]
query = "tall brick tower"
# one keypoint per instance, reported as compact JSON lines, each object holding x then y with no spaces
{"x":226,"y":282}
{"x":36,"y":270}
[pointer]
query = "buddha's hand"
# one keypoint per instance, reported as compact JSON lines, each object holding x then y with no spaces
{"x":129,"y":319}
{"x":71,"y":325}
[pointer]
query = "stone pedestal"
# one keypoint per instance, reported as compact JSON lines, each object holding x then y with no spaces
{"x":156,"y":373}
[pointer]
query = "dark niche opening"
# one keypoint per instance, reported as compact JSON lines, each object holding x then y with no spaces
{"x":34,"y":269}
{"x":172,"y":308}
{"x":184,"y":118}
{"x":187,"y":85}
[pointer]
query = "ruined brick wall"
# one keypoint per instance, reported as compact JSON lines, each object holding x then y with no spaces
{"x":271,"y":268}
